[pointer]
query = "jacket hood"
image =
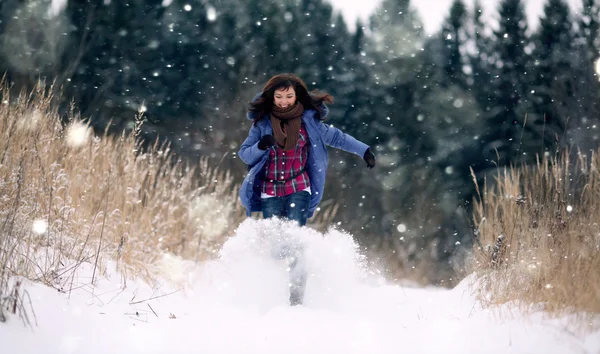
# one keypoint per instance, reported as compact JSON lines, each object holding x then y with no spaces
{"x":251,"y":115}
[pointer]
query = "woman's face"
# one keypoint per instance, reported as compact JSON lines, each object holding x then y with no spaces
{"x":284,"y":97}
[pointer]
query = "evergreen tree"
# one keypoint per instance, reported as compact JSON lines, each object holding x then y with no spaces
{"x":393,"y":51}
{"x":171,"y":56}
{"x":589,"y":25}
{"x":94,"y":35}
{"x":553,"y":86}
{"x":453,"y":36}
{"x":584,"y":107}
{"x":328,"y":48}
{"x":400,"y":81}
{"x":339,"y":74}
{"x":480,"y":60}
{"x":7,"y":14}
{"x":341,"y":48}
{"x":263,"y":39}
{"x":354,"y":83}
{"x":32,"y":42}
{"x":505,"y":123}
{"x":120,"y":47}
{"x":358,"y":38}
{"x":396,"y":34}
{"x":315,"y":45}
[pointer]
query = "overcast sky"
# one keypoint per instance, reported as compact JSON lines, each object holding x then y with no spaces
{"x":433,"y":12}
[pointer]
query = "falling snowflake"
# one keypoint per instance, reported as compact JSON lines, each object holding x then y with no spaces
{"x":77,"y":134}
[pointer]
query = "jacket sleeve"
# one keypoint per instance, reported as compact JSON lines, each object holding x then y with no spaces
{"x":336,"y":138}
{"x":249,"y":151}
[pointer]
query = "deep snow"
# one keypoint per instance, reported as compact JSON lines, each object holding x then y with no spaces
{"x":238,"y":304}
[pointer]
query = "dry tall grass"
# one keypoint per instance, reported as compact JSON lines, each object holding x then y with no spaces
{"x":70,"y":196}
{"x":538,"y":235}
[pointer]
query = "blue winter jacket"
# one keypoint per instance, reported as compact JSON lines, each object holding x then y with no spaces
{"x":319,"y":134}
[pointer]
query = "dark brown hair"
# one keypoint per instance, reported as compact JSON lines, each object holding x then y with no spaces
{"x":263,"y":105}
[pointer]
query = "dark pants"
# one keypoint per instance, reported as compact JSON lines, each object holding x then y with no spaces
{"x":292,"y":207}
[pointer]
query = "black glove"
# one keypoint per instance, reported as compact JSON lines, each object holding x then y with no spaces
{"x":266,"y":142}
{"x":369,"y":158}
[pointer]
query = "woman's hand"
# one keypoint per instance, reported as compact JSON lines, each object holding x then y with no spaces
{"x":369,"y":158}
{"x":266,"y":142}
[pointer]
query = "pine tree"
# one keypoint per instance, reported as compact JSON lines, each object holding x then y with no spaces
{"x":453,"y":36}
{"x":506,"y":120}
{"x":394,"y":53}
{"x":94,"y":35}
{"x":32,"y":41}
{"x":358,"y":118}
{"x":589,"y":25}
{"x":480,"y":60}
{"x":584,"y":107}
{"x":119,"y":54}
{"x":341,"y":48}
{"x":553,"y":86}
{"x":358,"y":38}
{"x":397,"y":33}
{"x":315,"y":45}
{"x":7,"y":15}
{"x":327,"y":46}
{"x":340,"y":78}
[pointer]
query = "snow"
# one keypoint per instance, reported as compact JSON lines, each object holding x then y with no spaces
{"x":238,"y":304}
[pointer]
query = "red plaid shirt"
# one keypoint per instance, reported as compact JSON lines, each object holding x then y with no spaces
{"x":283,"y":165}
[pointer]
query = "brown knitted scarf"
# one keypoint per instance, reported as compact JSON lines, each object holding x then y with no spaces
{"x":286,"y":125}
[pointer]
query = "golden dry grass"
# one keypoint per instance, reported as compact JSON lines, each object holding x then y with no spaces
{"x":538,"y":235}
{"x":69,"y":195}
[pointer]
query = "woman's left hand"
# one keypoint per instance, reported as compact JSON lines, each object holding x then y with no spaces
{"x":369,"y":158}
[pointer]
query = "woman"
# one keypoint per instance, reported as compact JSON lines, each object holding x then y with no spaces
{"x":287,"y":155}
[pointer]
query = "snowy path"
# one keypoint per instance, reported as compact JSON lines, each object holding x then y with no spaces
{"x":238,"y":305}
